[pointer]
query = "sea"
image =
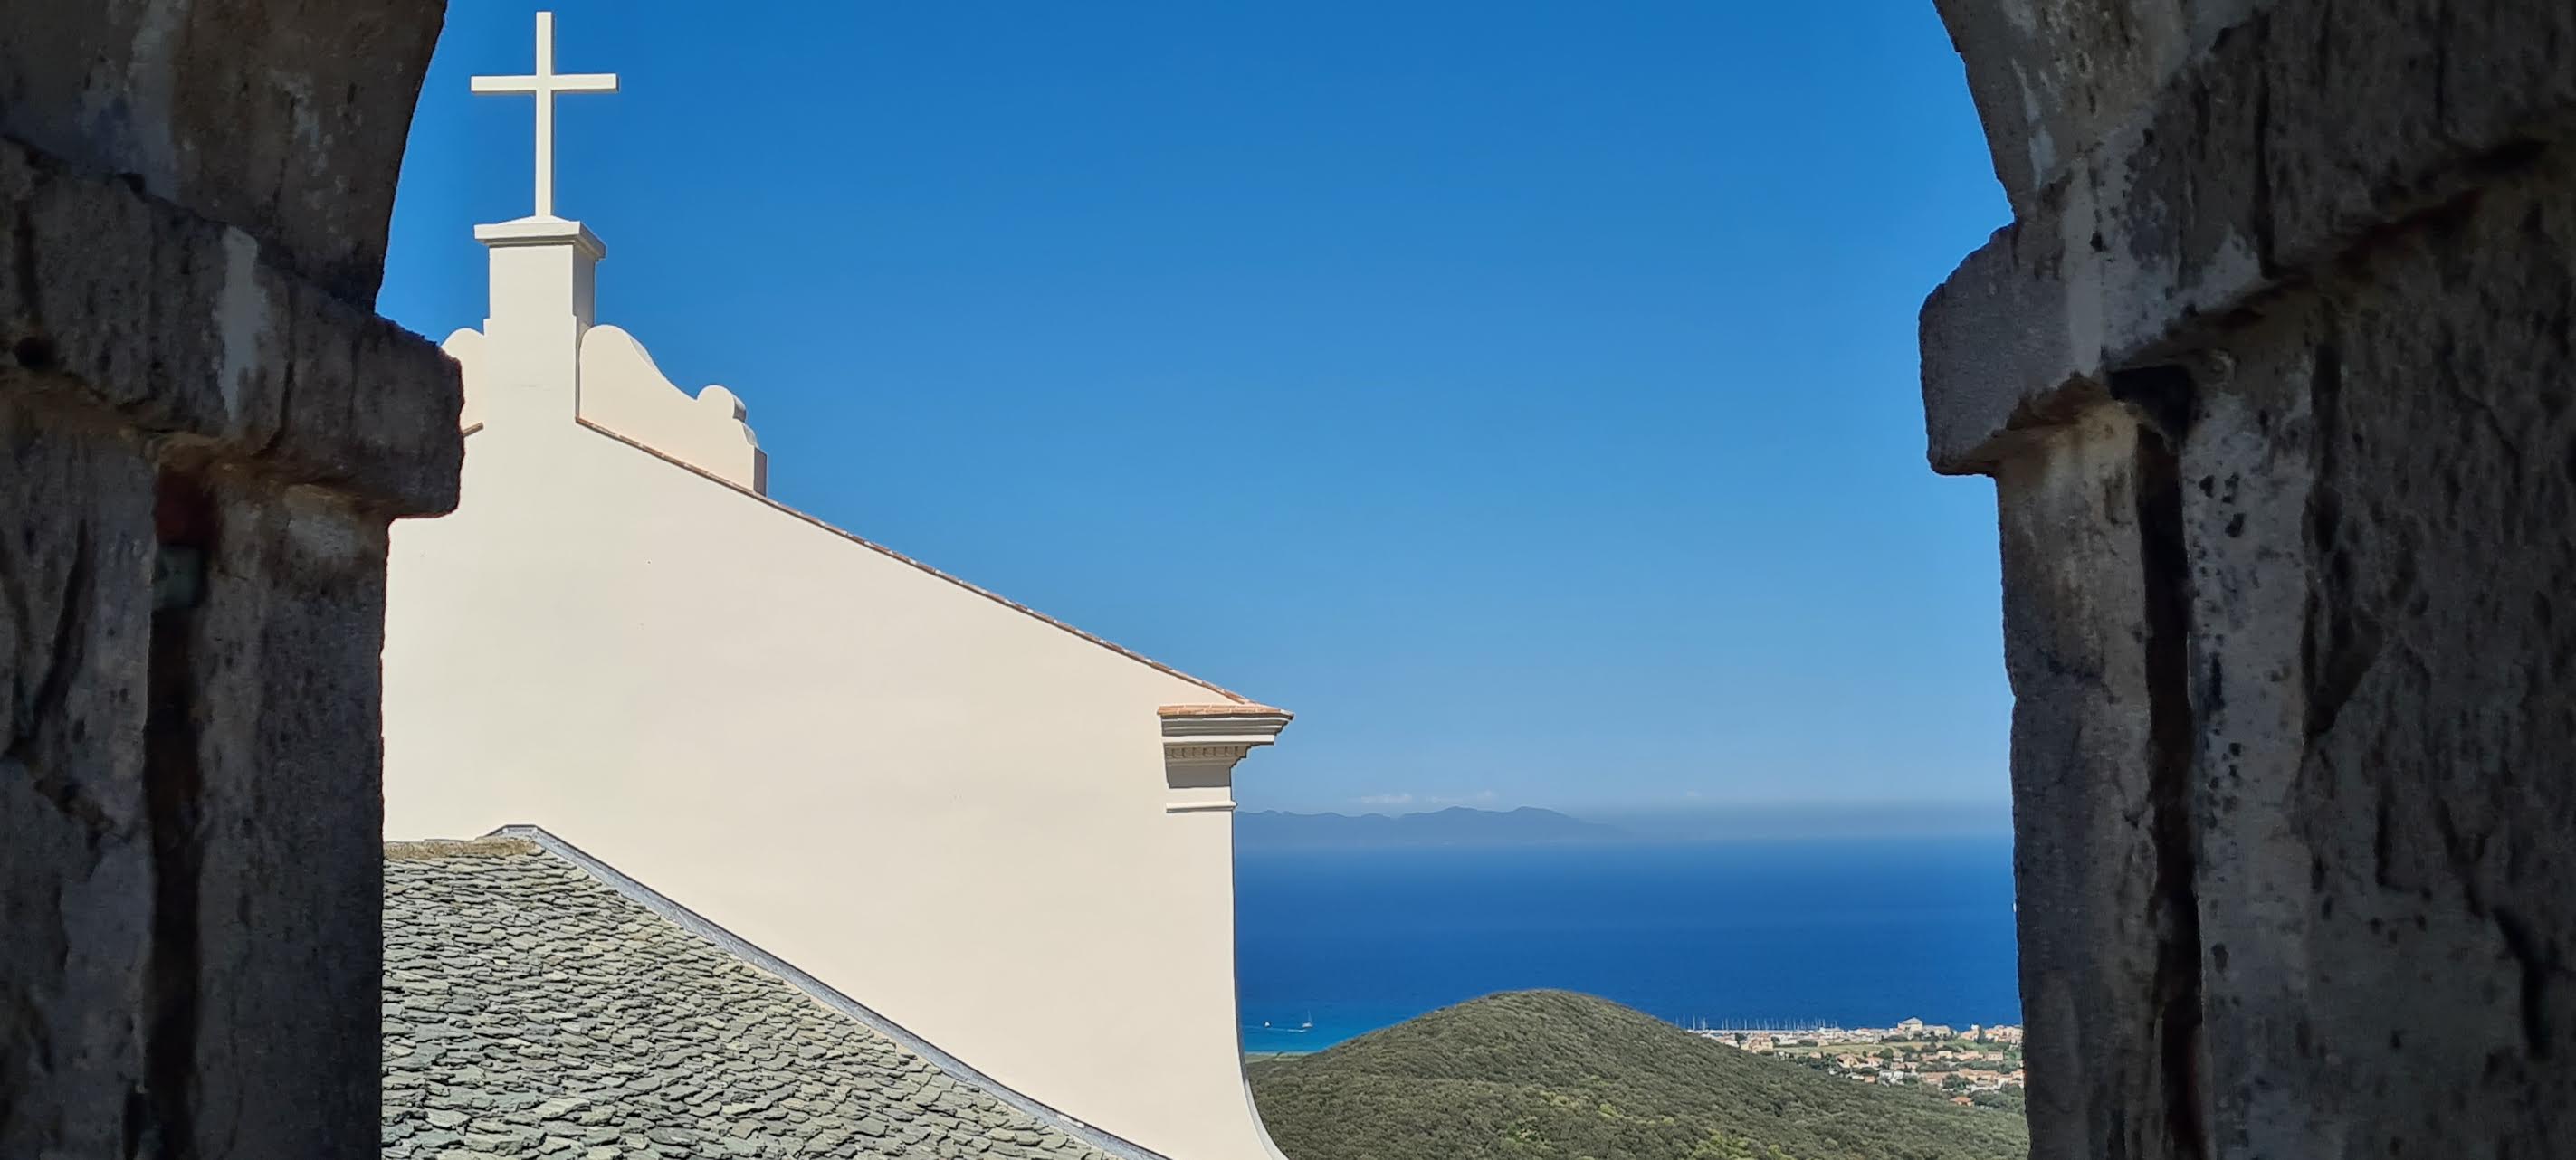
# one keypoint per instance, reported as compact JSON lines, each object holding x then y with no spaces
{"x":1853,"y":932}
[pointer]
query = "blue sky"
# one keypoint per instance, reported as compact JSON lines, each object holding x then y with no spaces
{"x":1525,"y":394}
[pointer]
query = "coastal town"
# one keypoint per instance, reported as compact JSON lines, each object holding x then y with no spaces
{"x":1981,"y":1066}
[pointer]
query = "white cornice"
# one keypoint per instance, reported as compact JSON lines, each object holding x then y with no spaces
{"x":542,"y":231}
{"x":1202,"y":743}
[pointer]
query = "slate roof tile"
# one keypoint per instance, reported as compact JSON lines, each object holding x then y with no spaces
{"x":533,"y":1008}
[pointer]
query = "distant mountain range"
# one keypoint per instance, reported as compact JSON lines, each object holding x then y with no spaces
{"x":1456,"y":826}
{"x":1548,"y":1075}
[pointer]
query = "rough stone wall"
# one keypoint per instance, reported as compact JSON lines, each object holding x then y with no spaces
{"x":2087,"y":866}
{"x":2273,"y":374}
{"x":285,"y":119}
{"x":203,"y":434}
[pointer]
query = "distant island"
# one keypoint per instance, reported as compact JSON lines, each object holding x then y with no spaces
{"x":1456,"y":826}
{"x":1551,"y":1074}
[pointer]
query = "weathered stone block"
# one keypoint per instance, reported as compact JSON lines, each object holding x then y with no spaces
{"x":2295,"y":700}
{"x":2087,"y":776}
{"x":284,"y":118}
{"x":75,"y":840}
{"x":185,"y":327}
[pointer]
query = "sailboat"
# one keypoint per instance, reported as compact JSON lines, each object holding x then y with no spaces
{"x":1299,"y":1029}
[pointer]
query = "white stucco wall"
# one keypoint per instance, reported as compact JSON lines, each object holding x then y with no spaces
{"x":623,"y":391}
{"x":947,"y":808}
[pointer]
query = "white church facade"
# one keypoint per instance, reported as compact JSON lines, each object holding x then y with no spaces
{"x":1009,"y":837}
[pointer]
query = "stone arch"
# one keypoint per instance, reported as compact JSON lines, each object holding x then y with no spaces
{"x":2271,"y":371}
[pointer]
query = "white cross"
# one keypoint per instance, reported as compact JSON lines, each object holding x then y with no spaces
{"x":544,"y":85}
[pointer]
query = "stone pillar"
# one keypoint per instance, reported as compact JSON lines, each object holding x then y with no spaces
{"x":204,"y":431}
{"x":2273,"y":373}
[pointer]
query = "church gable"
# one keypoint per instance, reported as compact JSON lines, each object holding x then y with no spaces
{"x":543,"y":366}
{"x":618,"y":631}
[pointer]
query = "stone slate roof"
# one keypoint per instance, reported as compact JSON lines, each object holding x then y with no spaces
{"x":538,"y":1004}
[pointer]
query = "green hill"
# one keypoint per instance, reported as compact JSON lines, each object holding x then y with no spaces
{"x":1541,"y":1075}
